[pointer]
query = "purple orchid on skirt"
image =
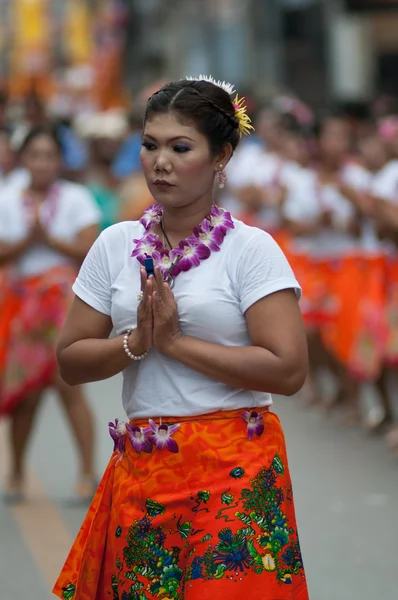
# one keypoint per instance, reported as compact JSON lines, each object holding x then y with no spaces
{"x":221,"y":219}
{"x":138,"y":439}
{"x":255,"y":424}
{"x":161,"y":436}
{"x":117,"y":431}
{"x":152,"y":215}
{"x":188,"y":255}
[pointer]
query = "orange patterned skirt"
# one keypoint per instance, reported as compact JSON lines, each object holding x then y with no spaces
{"x":391,"y":351}
{"x":318,"y":306}
{"x":32,"y":313}
{"x":209,"y":515}
{"x":357,"y":336}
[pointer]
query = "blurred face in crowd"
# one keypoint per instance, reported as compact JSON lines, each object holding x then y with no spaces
{"x":269,"y":129}
{"x":7,"y":157}
{"x":42,"y":158}
{"x":391,"y":146}
{"x":34,"y":111}
{"x":105,"y":150}
{"x":296,"y":149}
{"x":334,"y":140}
{"x":176,"y":160}
{"x":373,"y":152}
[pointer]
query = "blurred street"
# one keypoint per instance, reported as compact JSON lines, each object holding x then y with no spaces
{"x":346,"y":491}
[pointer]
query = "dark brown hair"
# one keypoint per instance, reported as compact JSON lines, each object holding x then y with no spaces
{"x":206,"y":105}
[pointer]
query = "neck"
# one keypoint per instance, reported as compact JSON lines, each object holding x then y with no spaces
{"x":41,"y":190}
{"x":331,"y":166}
{"x":180,"y":222}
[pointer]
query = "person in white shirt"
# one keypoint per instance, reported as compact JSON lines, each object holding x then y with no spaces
{"x":202,"y":340}
{"x":46,"y":229}
{"x":324,"y":222}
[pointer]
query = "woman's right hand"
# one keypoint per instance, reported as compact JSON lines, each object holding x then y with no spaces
{"x":141,"y":339}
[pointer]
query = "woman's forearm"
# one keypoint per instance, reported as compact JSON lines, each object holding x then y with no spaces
{"x":92,"y":360}
{"x":247,"y":367}
{"x":10,"y":252}
{"x":75,"y":250}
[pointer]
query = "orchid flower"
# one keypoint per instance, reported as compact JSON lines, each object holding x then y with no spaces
{"x":151,"y":216}
{"x":189,"y":255}
{"x":117,"y":431}
{"x":137,"y":438}
{"x":208,"y":235}
{"x":221,"y":219}
{"x":163,"y":261}
{"x":255,"y":424}
{"x":161,"y":436}
{"x":146,"y":246}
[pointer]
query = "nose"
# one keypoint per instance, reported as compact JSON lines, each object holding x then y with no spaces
{"x":162,"y":162}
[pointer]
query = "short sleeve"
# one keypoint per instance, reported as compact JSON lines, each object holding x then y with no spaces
{"x":263,"y":270}
{"x":4,"y":221}
{"x":299,"y":206}
{"x":86,"y":211}
{"x":93,"y":284}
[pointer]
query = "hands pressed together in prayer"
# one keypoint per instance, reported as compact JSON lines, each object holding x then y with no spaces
{"x":157,"y":316}
{"x":38,"y":233}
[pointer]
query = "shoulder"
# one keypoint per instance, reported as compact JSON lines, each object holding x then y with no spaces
{"x":245,"y":238}
{"x":112,"y":249}
{"x":390,"y":170}
{"x":355,"y":174}
{"x":10,"y":197}
{"x":75,"y":192}
{"x":118,"y":239}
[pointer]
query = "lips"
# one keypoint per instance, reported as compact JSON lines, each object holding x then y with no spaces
{"x":162,"y":183}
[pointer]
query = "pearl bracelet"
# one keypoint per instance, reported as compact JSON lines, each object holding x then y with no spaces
{"x":127,"y":349}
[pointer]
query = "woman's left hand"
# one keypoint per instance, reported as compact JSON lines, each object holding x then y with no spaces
{"x":166,"y":326}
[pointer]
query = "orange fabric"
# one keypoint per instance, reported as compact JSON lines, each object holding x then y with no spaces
{"x":357,"y":335}
{"x":32,"y":312}
{"x":317,"y":304}
{"x":215,"y":520}
{"x":391,"y":351}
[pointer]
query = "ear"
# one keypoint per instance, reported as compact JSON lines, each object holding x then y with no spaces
{"x":223,"y":157}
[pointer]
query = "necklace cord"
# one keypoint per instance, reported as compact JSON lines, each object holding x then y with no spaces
{"x":165,"y":235}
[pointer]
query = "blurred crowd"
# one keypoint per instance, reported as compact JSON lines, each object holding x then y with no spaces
{"x":99,"y":149}
{"x":324,"y":185}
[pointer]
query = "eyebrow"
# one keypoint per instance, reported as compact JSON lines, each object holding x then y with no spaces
{"x":177,"y":137}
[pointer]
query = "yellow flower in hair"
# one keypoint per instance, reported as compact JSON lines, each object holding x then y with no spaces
{"x":245,"y":125}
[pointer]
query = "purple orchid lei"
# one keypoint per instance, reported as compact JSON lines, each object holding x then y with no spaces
{"x":206,"y":238}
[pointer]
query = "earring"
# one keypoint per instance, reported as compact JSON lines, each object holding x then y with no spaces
{"x":221,"y":177}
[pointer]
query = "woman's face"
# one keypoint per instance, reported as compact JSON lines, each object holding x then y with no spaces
{"x":176,"y":160}
{"x":334,"y":141}
{"x":42,"y":159}
{"x":296,"y":150}
{"x":373,"y":153}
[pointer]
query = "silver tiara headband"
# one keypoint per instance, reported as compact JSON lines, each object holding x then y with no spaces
{"x":228,"y":87}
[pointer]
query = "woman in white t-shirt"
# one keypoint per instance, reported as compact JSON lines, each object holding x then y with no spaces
{"x":46,"y":229}
{"x":196,"y":501}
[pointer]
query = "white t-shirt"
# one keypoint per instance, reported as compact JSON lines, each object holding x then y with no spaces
{"x":263,"y":170}
{"x":307,"y":199}
{"x":212,"y":300}
{"x":73,"y":211}
{"x":385,"y":182}
{"x":19,"y":178}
